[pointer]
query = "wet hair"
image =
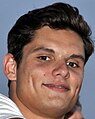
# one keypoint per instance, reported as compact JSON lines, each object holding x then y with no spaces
{"x":57,"y":16}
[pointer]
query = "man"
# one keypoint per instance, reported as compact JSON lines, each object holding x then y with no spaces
{"x":47,"y":51}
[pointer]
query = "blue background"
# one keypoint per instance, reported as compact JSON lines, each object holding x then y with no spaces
{"x":11,"y":10}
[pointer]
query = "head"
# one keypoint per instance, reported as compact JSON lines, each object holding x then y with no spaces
{"x":47,"y":51}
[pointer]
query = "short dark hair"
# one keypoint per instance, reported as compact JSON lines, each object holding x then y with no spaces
{"x":56,"y":16}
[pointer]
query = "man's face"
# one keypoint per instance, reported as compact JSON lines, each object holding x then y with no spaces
{"x":50,"y":74}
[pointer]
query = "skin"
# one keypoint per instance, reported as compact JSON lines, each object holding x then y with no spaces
{"x":47,"y":83}
{"x":77,"y":114}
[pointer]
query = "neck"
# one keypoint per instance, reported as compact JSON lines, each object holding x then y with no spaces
{"x":31,"y":114}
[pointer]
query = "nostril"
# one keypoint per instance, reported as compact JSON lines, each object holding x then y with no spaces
{"x":61,"y":70}
{"x":67,"y":76}
{"x":63,"y":76}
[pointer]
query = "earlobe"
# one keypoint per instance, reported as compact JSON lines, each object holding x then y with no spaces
{"x":10,"y":67}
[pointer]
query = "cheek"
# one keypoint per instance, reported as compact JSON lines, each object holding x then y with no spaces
{"x":37,"y":75}
{"x":76,"y":82}
{"x":41,"y":70}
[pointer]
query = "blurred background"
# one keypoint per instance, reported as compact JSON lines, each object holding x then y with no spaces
{"x":11,"y":10}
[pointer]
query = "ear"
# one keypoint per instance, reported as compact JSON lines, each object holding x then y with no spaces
{"x":10,"y":66}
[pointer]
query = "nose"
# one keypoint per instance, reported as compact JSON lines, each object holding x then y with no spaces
{"x":61,"y":70}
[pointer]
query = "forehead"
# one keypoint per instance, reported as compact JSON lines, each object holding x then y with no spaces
{"x":58,"y":40}
{"x":69,"y":37}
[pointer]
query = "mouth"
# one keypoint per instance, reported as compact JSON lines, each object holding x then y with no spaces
{"x":57,"y":87}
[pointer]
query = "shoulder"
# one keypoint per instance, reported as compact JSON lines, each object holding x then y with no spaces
{"x":8,"y":108}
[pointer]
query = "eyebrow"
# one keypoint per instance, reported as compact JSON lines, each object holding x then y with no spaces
{"x":43,"y":49}
{"x":52,"y":51}
{"x":77,"y":56}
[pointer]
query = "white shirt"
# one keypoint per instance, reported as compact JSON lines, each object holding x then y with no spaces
{"x":8,"y":108}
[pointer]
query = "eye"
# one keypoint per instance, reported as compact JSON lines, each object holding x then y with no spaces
{"x":72,"y":64}
{"x":45,"y":58}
